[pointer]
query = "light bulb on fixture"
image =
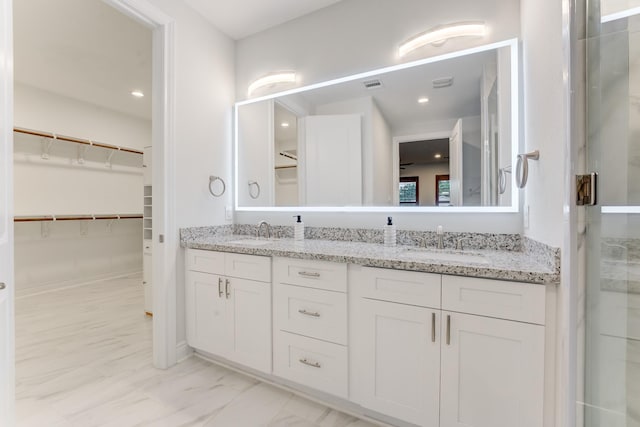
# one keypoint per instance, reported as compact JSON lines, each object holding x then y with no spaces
{"x":284,"y":124}
{"x":438,"y":156}
{"x":137,"y":93}
{"x":272,"y":79}
{"x":438,"y":35}
{"x":423,"y":100}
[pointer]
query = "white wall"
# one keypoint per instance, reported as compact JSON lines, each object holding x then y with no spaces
{"x":382,"y":159}
{"x":204,"y":94}
{"x":359,"y":35}
{"x":544,"y":112}
{"x":75,"y":251}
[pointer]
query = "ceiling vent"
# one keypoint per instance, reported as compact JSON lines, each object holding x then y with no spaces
{"x":443,"y":82}
{"x":372,"y":84}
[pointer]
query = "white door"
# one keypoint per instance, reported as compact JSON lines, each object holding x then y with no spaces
{"x":7,"y":369}
{"x":207,"y":313}
{"x":250,"y":303}
{"x":455,"y":164}
{"x":336,"y":141}
{"x":492,"y":372}
{"x":400,"y":363}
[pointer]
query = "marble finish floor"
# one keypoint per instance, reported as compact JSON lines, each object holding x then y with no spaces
{"x":83,"y":359}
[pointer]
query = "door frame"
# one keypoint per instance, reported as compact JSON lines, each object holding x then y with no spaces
{"x":165,"y":233}
{"x":395,"y":152}
{"x":7,"y":346}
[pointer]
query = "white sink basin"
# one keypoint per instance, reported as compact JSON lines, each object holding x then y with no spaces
{"x":250,"y":242}
{"x":428,"y":254}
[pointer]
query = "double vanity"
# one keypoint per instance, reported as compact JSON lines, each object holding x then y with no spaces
{"x":404,"y":335}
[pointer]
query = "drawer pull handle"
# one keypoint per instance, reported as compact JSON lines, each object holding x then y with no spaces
{"x":220,"y":293}
{"x":308,"y":274}
{"x":309,"y":313}
{"x":312,"y":364}
{"x":226,"y":288}
{"x":448,"y":329}
{"x":433,"y":327}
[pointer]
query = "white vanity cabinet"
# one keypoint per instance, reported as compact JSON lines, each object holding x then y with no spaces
{"x":310,"y":324}
{"x":395,"y":346}
{"x":228,"y":306}
{"x":419,"y":358}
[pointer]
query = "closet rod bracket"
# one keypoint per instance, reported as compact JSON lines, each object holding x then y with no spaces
{"x":82,"y":151}
{"x":46,"y":148}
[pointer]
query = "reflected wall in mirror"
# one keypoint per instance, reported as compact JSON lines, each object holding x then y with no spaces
{"x":354,"y":142}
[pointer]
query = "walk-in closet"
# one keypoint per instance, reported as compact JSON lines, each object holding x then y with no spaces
{"x":82,"y":185}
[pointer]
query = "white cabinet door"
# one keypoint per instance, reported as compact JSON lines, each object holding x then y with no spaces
{"x":492,"y":372}
{"x":250,"y":305}
{"x":207,"y":313}
{"x":399,"y":370}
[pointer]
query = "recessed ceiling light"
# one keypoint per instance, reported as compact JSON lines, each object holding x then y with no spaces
{"x":423,"y":100}
{"x":284,"y":124}
{"x":437,"y":156}
{"x":137,"y":93}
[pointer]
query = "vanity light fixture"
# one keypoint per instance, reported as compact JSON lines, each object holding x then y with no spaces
{"x":423,"y":100}
{"x":438,"y":156}
{"x":137,"y":93}
{"x":438,"y":35}
{"x":284,"y":124}
{"x":272,"y":79}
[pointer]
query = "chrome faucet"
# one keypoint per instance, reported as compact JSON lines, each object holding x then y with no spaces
{"x":259,"y":228}
{"x":440,"y":234}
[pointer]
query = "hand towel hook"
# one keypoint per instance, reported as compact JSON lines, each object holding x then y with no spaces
{"x":251,"y":193}
{"x":522,"y":167}
{"x":212,"y":180}
{"x":502,"y":178}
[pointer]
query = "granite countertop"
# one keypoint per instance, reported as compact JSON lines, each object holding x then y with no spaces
{"x":493,"y":264}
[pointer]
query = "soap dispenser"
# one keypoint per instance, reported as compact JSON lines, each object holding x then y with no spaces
{"x":298,"y":229}
{"x":390,"y":233}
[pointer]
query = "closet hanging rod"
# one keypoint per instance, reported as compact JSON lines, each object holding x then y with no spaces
{"x":75,"y":140}
{"x":40,"y":218}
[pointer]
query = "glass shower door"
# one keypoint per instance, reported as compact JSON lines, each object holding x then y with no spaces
{"x":612,"y":295}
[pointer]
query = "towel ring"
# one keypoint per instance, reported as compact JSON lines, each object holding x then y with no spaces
{"x":522,"y":167}
{"x":257,"y":192}
{"x":502,"y":178}
{"x":212,"y":180}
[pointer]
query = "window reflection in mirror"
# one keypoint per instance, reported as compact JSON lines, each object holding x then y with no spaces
{"x":341,"y":144}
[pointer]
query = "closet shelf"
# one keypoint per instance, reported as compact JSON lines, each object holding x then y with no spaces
{"x":40,"y":218}
{"x":75,"y":140}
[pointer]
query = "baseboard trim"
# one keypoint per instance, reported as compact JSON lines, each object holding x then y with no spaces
{"x":183,"y":351}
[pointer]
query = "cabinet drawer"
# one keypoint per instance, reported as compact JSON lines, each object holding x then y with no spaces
{"x":314,"y":363}
{"x":524,"y":302}
{"x":250,"y":267}
{"x":312,"y":274}
{"x":311,"y":312}
{"x":205,"y":261}
{"x":407,"y":287}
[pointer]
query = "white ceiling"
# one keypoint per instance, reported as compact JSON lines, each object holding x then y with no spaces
{"x":83,"y":49}
{"x":397,"y":97}
{"x":241,"y":18}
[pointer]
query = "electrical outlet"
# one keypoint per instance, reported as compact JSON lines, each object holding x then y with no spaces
{"x":228,"y":213}
{"x":526,"y":216}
